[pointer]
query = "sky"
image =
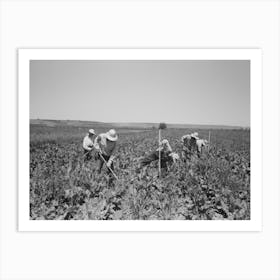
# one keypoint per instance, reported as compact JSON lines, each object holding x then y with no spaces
{"x":211,"y":92}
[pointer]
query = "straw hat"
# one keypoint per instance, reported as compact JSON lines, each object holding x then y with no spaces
{"x":195,"y":135}
{"x":112,"y":135}
{"x":91,"y":131}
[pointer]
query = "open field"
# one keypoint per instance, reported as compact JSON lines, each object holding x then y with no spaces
{"x":215,"y":186}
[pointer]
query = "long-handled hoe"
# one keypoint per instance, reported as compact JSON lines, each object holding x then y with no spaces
{"x":110,"y":169}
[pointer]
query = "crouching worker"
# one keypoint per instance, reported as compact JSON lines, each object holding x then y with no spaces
{"x":166,"y":156}
{"x":88,"y":145}
{"x":105,"y":144}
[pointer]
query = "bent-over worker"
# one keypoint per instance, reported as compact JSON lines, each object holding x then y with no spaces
{"x":105,"y":144}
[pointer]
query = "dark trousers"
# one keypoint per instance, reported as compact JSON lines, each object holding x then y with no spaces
{"x":101,"y":162}
{"x":87,"y":155}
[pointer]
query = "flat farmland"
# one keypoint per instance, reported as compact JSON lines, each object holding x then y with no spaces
{"x":215,"y":186}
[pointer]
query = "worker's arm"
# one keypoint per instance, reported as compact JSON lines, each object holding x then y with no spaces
{"x":97,"y":143}
{"x":199,"y":144}
{"x":185,"y":139}
{"x":110,"y":161}
{"x":168,"y":147}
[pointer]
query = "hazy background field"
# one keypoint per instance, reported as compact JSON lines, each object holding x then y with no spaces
{"x":72,"y":130}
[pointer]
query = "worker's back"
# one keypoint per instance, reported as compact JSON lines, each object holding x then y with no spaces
{"x":192,"y":143}
{"x":186,"y":140}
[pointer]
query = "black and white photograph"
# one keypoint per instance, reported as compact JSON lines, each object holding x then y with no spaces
{"x":140,"y":140}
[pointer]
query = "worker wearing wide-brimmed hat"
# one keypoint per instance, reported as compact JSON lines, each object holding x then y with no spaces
{"x":88,"y":144}
{"x":105,"y":144}
{"x":195,"y":135}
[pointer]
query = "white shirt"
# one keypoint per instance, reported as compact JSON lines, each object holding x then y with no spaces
{"x":107,"y":147}
{"x":87,"y":143}
{"x":200,"y":143}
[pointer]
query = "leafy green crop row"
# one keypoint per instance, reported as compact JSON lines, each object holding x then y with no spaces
{"x":215,"y":186}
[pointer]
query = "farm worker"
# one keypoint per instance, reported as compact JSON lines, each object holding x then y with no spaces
{"x":166,"y":155}
{"x":105,"y":144}
{"x":88,"y":144}
{"x":189,"y":144}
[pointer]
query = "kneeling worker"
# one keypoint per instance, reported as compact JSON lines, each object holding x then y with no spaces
{"x":105,"y":144}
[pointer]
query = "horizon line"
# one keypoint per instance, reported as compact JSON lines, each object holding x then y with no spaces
{"x":140,"y":122}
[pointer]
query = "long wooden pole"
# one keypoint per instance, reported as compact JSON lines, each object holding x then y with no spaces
{"x":159,"y":154}
{"x":209,"y":139}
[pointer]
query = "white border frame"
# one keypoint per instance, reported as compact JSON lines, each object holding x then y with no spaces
{"x":254,"y":55}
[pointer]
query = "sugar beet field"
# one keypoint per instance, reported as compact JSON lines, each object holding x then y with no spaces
{"x":213,"y":187}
